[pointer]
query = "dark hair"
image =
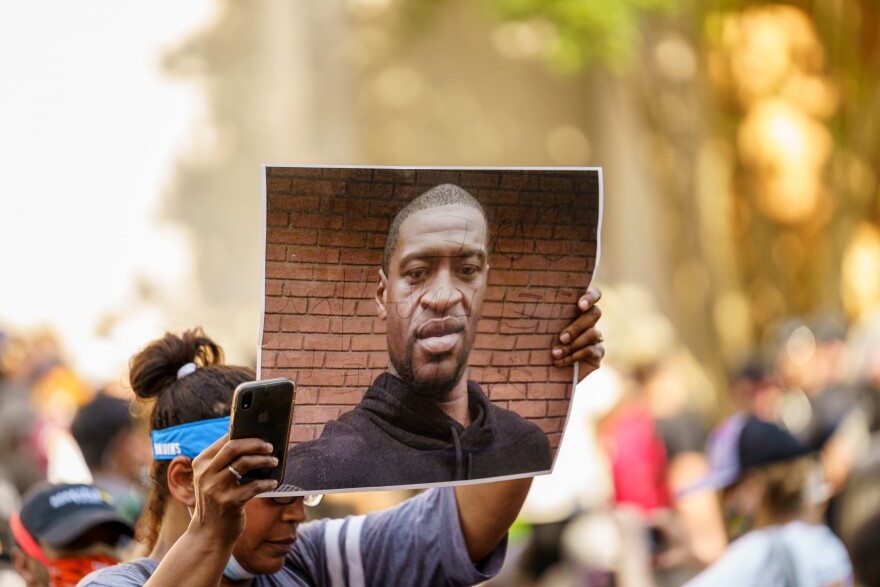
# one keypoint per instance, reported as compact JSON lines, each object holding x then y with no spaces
{"x":97,"y":426}
{"x":201,"y":395}
{"x":442,"y":195}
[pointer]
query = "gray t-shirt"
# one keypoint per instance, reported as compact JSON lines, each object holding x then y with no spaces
{"x":419,"y":542}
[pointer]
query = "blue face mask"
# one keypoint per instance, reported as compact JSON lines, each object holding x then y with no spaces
{"x":235,"y":572}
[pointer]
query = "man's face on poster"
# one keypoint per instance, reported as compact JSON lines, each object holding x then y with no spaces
{"x":432,"y":295}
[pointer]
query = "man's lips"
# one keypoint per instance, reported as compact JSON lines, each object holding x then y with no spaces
{"x":439,"y":335}
{"x":440,"y":327}
{"x":283,"y":544}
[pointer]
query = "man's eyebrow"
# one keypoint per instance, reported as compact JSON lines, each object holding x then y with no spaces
{"x":464,"y":252}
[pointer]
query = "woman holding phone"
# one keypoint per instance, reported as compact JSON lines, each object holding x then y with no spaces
{"x":203,"y":527}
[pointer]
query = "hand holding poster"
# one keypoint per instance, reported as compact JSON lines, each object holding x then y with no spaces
{"x":416,"y":310}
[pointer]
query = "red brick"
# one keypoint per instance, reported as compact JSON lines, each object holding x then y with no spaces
{"x":429,"y":178}
{"x":312,"y":172}
{"x":368,"y":342}
{"x":494,"y":293}
{"x":267,"y":359}
{"x":344,"y":173}
{"x":356,"y":289}
{"x":500,"y":342}
{"x":541,"y":357}
{"x":514,"y":245}
{"x":351,"y":325}
{"x":275,"y":252}
{"x":558,"y":407}
{"x":553,"y":249}
{"x":480,"y":358}
{"x":357,"y":378}
{"x":378,"y":360}
{"x":485,"y":179}
{"x":311,"y":187}
{"x":273,"y":287}
{"x":299,"y":359}
{"x":532,"y":341}
{"x":488,"y":375}
{"x":371,"y":257}
{"x":369,"y":190}
{"x":326,"y":342}
{"x":280,"y":305}
{"x":316,"y":221}
{"x":367,"y":308}
{"x":277,"y":184}
{"x":282,"y":341}
{"x":528,"y":374}
{"x":297,"y":236}
{"x":342,"y":239}
{"x":309,"y":289}
{"x":313,"y":254}
{"x":317,"y":414}
{"x":277,"y":270}
{"x":377,"y":241}
{"x":306,"y":395}
{"x":344,"y":360}
{"x":277,"y":219}
{"x":321,"y":377}
{"x":340,"y":396}
{"x":305,"y":323}
{"x":395,"y":175}
{"x":520,"y":180}
{"x":512,"y":358}
{"x":506,"y":391}
{"x":301,"y":203}
{"x":519,"y":326}
{"x":271,"y":322}
{"x":330,"y":307}
{"x":302,"y":433}
{"x":281,"y":202}
{"x":487,"y":327}
{"x":561,"y":374}
{"x":551,"y":278}
{"x":542,"y":390}
{"x":367,"y":224}
{"x":504,"y":277}
{"x":548,"y":425}
{"x":529,"y":408}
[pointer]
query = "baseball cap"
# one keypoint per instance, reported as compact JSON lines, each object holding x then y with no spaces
{"x":56,"y":515}
{"x":743,"y":442}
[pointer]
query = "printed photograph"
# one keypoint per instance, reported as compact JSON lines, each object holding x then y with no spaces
{"x":416,"y":310}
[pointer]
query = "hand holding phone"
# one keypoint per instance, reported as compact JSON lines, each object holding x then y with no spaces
{"x":264,"y":409}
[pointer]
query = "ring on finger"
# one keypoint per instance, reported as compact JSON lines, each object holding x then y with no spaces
{"x":235,"y":473}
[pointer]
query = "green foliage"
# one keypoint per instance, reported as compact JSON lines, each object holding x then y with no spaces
{"x":587,"y":32}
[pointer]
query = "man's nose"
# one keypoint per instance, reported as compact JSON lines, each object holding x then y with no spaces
{"x":294,"y":512}
{"x":442,"y":294}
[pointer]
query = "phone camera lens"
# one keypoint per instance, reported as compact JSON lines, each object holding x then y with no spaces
{"x":247,"y":399}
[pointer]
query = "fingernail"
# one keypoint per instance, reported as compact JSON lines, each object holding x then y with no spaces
{"x":584,"y":303}
{"x":275,"y":460}
{"x":557,"y":352}
{"x":565,"y":337}
{"x":269,"y":446}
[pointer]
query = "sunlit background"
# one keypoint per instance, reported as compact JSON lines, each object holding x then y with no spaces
{"x":740,"y":142}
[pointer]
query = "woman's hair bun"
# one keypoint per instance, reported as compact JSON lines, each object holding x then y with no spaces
{"x":155,"y":367}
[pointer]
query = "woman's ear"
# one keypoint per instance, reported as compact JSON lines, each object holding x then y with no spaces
{"x":180,"y":481}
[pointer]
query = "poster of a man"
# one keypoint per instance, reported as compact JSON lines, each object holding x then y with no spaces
{"x":425,"y":418}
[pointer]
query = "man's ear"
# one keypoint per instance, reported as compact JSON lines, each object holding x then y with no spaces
{"x":180,"y":481}
{"x":382,"y":294}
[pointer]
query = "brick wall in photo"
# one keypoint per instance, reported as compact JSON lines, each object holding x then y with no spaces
{"x":325,"y":231}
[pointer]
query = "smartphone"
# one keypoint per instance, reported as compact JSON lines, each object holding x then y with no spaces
{"x":264,"y":409}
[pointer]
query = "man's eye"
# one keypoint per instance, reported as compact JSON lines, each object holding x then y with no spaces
{"x":416,"y":274}
{"x":469,"y":270}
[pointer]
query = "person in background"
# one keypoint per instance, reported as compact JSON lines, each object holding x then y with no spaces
{"x":64,"y":532}
{"x":115,"y":449}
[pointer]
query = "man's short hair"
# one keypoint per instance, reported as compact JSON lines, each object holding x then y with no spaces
{"x":442,"y":195}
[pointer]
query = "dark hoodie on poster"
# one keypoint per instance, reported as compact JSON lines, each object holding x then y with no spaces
{"x":396,"y":437}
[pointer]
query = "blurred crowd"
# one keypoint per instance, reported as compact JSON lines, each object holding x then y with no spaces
{"x":664,"y":477}
{"x":667,"y":477}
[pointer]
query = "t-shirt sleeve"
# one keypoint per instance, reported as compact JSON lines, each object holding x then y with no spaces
{"x":417,"y":543}
{"x":133,"y":574}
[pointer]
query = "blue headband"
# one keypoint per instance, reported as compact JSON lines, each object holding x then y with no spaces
{"x":187,"y":439}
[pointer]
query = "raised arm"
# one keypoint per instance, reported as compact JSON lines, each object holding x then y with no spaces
{"x":486,"y":511}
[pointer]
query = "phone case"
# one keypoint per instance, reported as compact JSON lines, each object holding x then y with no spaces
{"x":266,"y":412}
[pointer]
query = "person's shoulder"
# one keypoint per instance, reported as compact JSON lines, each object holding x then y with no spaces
{"x":131,"y":574}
